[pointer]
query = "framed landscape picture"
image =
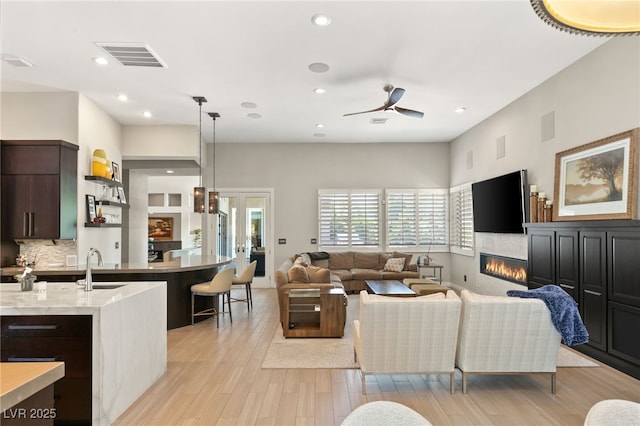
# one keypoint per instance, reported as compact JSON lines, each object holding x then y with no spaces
{"x":161,"y":228}
{"x":598,"y":180}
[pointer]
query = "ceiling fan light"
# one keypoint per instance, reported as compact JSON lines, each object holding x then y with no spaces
{"x":593,"y":17}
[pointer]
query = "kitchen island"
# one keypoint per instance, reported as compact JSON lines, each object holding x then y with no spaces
{"x":112,"y":340}
{"x":179,"y":274}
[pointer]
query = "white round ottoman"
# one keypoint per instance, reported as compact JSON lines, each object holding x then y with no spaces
{"x":613,"y":412}
{"x":384,"y":413}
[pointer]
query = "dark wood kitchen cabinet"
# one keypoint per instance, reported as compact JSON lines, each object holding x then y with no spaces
{"x":39,"y":189}
{"x":598,"y":264}
{"x":67,"y":338}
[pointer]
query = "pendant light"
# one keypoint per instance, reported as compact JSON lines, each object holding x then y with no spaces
{"x":198,"y":191}
{"x":214,"y":196}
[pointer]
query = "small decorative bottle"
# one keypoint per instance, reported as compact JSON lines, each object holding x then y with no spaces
{"x":533,"y":204}
{"x":541,"y":202}
{"x":548,"y":211}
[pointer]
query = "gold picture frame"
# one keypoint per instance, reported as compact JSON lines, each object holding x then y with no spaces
{"x":598,"y":180}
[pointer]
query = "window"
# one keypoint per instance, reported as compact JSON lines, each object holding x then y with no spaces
{"x":349,"y":218}
{"x":417,"y":218}
{"x":461,"y":220}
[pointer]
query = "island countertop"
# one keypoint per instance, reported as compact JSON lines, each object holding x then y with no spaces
{"x":67,"y":298}
{"x":180,"y":264}
{"x":107,"y":326}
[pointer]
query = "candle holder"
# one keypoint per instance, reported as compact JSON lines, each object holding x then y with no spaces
{"x":541,"y":203}
{"x":533,"y":207}
{"x":548,"y":211}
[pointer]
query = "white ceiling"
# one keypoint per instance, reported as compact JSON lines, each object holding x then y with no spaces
{"x":481,"y":55}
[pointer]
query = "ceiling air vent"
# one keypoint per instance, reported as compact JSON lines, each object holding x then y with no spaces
{"x":378,"y":121}
{"x":133,"y":54}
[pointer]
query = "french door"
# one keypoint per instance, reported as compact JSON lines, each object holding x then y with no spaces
{"x":244,"y":232}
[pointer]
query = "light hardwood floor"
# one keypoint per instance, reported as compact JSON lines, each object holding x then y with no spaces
{"x":214,"y":377}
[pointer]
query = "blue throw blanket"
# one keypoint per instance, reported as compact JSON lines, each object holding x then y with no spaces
{"x":564,"y":312}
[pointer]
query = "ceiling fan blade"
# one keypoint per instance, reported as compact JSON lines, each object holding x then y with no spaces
{"x":395,"y":96}
{"x":409,"y":112}
{"x":382,"y":108}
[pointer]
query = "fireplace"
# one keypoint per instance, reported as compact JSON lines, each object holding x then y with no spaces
{"x":504,"y":268}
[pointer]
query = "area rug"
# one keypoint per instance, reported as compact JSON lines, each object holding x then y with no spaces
{"x":338,"y":352}
{"x":570,"y":358}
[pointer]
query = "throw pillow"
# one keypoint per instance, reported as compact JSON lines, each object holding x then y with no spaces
{"x":298,"y":274}
{"x":302,"y":259}
{"x":318,"y":275}
{"x":395,"y":264}
{"x":407,"y":258}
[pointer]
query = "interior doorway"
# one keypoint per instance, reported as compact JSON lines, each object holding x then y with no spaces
{"x":244,"y":232}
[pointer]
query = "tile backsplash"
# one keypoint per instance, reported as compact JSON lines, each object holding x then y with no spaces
{"x":47,"y":253}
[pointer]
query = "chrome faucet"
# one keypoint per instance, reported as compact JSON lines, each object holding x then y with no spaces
{"x":88,"y":286}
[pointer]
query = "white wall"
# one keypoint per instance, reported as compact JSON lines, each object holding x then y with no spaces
{"x":297,"y":171}
{"x":39,"y":115}
{"x":160,"y":142}
{"x":96,"y":130}
{"x":596,"y":97}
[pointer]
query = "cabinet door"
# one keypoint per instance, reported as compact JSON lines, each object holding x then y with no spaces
{"x":623,"y":252}
{"x":593,"y":280}
{"x":567,"y":262}
{"x":30,"y":205}
{"x":542,"y":255}
{"x":15,"y":207}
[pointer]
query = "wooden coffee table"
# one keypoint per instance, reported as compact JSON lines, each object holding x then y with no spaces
{"x":389,"y":288}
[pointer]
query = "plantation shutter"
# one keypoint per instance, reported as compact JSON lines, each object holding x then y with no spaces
{"x":461,"y":218}
{"x":349,"y":218}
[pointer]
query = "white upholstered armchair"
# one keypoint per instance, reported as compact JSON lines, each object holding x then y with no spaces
{"x":502,"y":335}
{"x":407,"y":335}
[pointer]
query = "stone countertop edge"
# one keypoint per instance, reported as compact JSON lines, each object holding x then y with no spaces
{"x":185,"y":263}
{"x":20,"y":380}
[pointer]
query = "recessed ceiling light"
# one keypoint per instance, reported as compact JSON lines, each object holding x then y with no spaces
{"x":100,"y":60}
{"x":17,"y":61}
{"x":147,"y":114}
{"x":319,"y":125}
{"x":319,"y":90}
{"x":460,"y":110}
{"x":123,"y":97}
{"x":320,"y":20}
{"x":170,"y":172}
{"x":254,"y":115}
{"x":248,"y":105}
{"x":319,"y":67}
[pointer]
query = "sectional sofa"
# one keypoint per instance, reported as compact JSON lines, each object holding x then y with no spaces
{"x":352,"y":268}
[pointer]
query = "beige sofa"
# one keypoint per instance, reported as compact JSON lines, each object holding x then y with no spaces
{"x":352,"y":268}
{"x":506,"y":335}
{"x":407,"y":335}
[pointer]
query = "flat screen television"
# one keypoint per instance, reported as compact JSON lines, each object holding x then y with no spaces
{"x":501,"y":204}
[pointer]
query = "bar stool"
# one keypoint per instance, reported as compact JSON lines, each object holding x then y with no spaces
{"x":219,"y":285}
{"x":245,"y":279}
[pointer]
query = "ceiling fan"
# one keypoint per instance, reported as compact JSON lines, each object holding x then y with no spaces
{"x":393,"y":96}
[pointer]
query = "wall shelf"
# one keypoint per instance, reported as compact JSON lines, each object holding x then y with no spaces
{"x":112,"y":203}
{"x":102,"y":225}
{"x":103,"y":181}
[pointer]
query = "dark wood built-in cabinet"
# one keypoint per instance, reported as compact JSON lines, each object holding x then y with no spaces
{"x":39,"y":189}
{"x":598,"y":264}
{"x":67,"y":338}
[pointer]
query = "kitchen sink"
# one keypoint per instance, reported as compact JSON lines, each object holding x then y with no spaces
{"x":98,"y":286}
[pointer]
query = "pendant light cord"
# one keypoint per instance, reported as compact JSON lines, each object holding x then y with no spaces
{"x":214,"y":154}
{"x":200,"y":141}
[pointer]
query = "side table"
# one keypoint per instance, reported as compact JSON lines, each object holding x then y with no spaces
{"x":315,"y":312}
{"x":423,"y":269}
